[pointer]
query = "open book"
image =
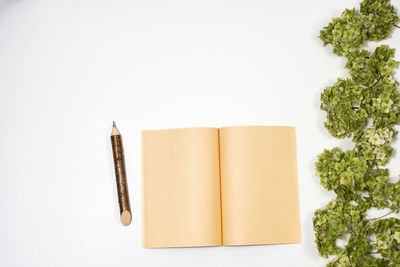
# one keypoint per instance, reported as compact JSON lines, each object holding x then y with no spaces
{"x":213,"y":187}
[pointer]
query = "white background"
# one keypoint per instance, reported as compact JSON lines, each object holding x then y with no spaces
{"x":69,"y":68}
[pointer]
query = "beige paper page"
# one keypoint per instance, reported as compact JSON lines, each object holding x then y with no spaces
{"x":181,"y":189}
{"x":259,"y":185}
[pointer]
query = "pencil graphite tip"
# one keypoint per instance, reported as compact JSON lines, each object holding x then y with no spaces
{"x":115,"y":129}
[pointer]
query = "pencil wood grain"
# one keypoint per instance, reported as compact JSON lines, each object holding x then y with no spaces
{"x":120,"y":175}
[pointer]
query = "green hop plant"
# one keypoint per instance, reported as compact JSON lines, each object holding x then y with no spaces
{"x":343,"y":104}
{"x":387,"y":243}
{"x":349,"y":32}
{"x":346,"y":33}
{"x":333,"y":222}
{"x":368,"y":69}
{"x":369,"y":92}
{"x":380,"y":17}
{"x":365,"y":106}
{"x":372,"y":144}
{"x":341,"y":169}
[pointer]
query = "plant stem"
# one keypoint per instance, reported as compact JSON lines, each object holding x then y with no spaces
{"x":381,"y":216}
{"x":397,"y":26}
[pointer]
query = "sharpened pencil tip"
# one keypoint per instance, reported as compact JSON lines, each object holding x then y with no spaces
{"x":115,"y":129}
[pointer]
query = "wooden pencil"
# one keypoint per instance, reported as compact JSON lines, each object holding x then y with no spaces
{"x":120,"y":175}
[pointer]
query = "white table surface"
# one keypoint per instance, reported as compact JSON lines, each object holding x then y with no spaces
{"x":68,"y":68}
